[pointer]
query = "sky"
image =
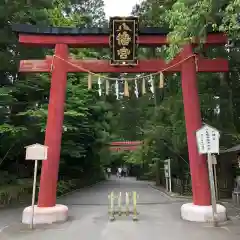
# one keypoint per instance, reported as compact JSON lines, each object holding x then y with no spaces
{"x":119,"y":7}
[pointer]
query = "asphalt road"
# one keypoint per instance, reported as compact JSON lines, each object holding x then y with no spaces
{"x":159,"y":218}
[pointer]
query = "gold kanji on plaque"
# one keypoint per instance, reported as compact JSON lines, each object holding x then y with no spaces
{"x":123,"y":53}
{"x":124,"y":27}
{"x":123,"y":39}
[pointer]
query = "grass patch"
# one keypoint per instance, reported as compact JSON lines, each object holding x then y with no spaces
{"x":21,"y":191}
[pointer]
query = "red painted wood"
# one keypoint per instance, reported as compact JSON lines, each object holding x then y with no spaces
{"x":125,"y":148}
{"x":102,"y":66}
{"x":122,"y":143}
{"x":212,"y":65}
{"x":216,"y":39}
{"x":103,"y":40}
{"x":53,"y":136}
{"x":36,"y":66}
{"x":198,"y":166}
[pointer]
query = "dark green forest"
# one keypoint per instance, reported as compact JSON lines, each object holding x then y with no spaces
{"x":92,"y":121}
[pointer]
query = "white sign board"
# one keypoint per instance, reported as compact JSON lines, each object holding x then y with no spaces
{"x":208,"y":140}
{"x":166,"y":171}
{"x":166,"y":168}
{"x":36,"y":152}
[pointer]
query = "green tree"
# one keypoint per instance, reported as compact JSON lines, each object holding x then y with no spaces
{"x":164,"y":126}
{"x":24,"y":97}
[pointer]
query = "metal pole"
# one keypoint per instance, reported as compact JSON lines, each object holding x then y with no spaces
{"x":166,"y":172}
{"x":111,"y":212}
{"x":215,"y":180}
{"x":127,"y":203}
{"x":34,"y":191}
{"x":167,"y":188}
{"x":135,"y":206}
{"x":169,"y":172}
{"x":213,"y":195}
{"x":120,"y":204}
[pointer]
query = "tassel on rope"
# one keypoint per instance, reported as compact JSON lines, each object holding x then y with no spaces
{"x":143,"y":86}
{"x":136,"y":88}
{"x":126,"y":89}
{"x":117,"y":89}
{"x":107,"y":87}
{"x":89,"y":81}
{"x":161,"y":81}
{"x":99,"y":86}
{"x":152,"y":84}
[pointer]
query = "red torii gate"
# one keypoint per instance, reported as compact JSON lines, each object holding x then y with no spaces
{"x":125,"y":145}
{"x":62,"y":38}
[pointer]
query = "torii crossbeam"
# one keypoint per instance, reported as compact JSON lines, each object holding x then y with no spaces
{"x":125,"y":145}
{"x":102,"y":66}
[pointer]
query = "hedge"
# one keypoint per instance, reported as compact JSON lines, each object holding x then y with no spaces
{"x":21,"y":191}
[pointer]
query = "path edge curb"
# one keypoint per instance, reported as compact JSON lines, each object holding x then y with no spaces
{"x":78,"y":189}
{"x":162,"y":190}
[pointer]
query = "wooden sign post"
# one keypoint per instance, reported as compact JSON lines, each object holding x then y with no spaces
{"x":167,"y":171}
{"x":208,"y":143}
{"x":35,"y":152}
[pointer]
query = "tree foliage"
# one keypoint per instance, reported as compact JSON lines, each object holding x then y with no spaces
{"x":24,"y":97}
{"x":92,"y":121}
{"x":163,"y":125}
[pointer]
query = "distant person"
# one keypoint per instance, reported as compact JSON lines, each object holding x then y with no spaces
{"x":109,"y":172}
{"x":119,"y":172}
{"x":125,"y":170}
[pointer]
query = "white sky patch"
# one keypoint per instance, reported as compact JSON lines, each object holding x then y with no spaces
{"x":119,"y":7}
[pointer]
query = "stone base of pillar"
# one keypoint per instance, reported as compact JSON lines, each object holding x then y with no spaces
{"x":45,"y":215}
{"x":195,"y":213}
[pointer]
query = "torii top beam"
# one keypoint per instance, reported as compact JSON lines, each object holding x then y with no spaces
{"x":96,"y":37}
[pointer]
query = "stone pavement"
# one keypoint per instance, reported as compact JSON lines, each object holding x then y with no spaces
{"x":159,"y":218}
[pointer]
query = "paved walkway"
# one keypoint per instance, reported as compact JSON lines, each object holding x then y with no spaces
{"x":159,"y":218}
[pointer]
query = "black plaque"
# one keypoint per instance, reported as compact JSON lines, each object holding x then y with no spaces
{"x":123,"y":41}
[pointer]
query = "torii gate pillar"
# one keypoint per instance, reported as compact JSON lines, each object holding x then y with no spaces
{"x":47,"y":210}
{"x":200,"y":210}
